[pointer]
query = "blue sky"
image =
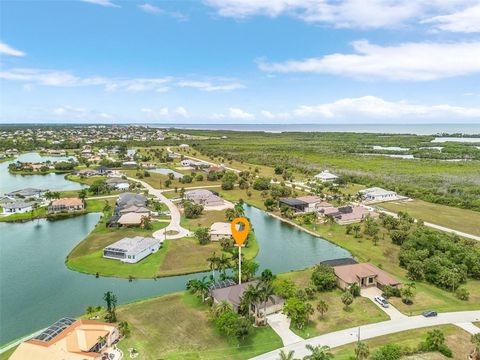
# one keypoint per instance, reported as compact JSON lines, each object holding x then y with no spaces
{"x":240,"y":61}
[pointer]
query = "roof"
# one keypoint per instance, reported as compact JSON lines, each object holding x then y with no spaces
{"x":221,"y":228}
{"x":116,"y":181}
{"x":17,"y":204}
{"x":293,"y":202}
{"x":131,"y":218}
{"x":26,"y":192}
{"x":310,"y":199}
{"x":352,"y":273}
{"x":66,"y":339}
{"x":131,"y":199}
{"x":376,"y":191}
{"x":67,"y":202}
{"x":135,"y":209}
{"x":133,"y":245}
{"x":325,"y":174}
{"x":234,"y":293}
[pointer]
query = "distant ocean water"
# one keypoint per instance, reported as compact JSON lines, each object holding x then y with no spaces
{"x":418,"y":129}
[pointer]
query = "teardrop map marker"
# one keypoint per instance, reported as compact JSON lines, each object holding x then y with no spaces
{"x":240,"y":235}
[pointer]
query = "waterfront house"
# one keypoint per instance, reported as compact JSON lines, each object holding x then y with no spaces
{"x":27,"y":193}
{"x":326,"y":175}
{"x":365,"y":275}
{"x":66,"y":204}
{"x":17,"y":207}
{"x":233,"y":295}
{"x":118,"y":183}
{"x":376,"y":194}
{"x":349,"y":214}
{"x":304,"y":204}
{"x":129,"y":164}
{"x":131,"y":250}
{"x":220,"y":230}
{"x":69,"y":339}
{"x":131,"y":219}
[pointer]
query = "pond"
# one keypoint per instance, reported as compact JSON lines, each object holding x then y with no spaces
{"x":10,"y":182}
{"x":37,"y":288}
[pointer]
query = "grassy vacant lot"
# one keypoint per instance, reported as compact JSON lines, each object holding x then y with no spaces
{"x":467,"y":221}
{"x":177,"y":326}
{"x":158,"y":180}
{"x":84,"y":180}
{"x":457,"y":339}
{"x":361,"y":312}
{"x":385,"y":255}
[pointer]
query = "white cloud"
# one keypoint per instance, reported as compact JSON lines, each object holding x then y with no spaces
{"x":465,"y":21}
{"x":104,"y":3}
{"x":341,"y":13}
{"x":208,"y":86}
{"x":165,"y":112}
{"x":239,"y":114}
{"x":152,"y":9}
{"x":278,"y":116}
{"x":8,"y":50}
{"x":371,"y":107}
{"x":182,"y":112}
{"x":149,"y":8}
{"x":68,"y":112}
{"x":66,"y":79}
{"x":409,"y":61}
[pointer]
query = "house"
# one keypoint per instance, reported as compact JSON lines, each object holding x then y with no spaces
{"x":220,"y":230}
{"x":204,"y":197}
{"x":66,"y":204}
{"x":131,"y":219}
{"x":69,"y":339}
{"x":56,"y":152}
{"x":128,"y":199}
{"x":87,"y":172}
{"x":233,"y":295}
{"x":363,"y":274}
{"x":377,"y":194}
{"x":118,"y":183}
{"x":129,"y":164}
{"x":194,"y":164}
{"x":149,"y":165}
{"x":17,"y":207}
{"x":326,"y":175}
{"x":184,"y":145}
{"x":214,"y":168}
{"x":135,"y":209}
{"x":27,"y":193}
{"x":349,"y":214}
{"x":131,"y":250}
{"x":305,"y":204}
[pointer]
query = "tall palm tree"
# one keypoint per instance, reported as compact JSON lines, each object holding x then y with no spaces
{"x":266,"y":294}
{"x":362,"y":351}
{"x":223,"y":263}
{"x":203,"y":286}
{"x":286,"y":356}
{"x":322,"y":307}
{"x":318,"y":353}
{"x":251,"y":295}
{"x":213,"y":261}
{"x":221,"y":307}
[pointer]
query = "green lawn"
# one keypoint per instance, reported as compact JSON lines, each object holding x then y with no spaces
{"x":457,"y":339}
{"x":84,"y":180}
{"x":7,"y":354}
{"x":177,"y":326}
{"x":467,"y":221}
{"x":362,"y":311}
{"x":158,"y":180}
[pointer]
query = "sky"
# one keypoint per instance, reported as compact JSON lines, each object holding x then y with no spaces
{"x":240,"y":61}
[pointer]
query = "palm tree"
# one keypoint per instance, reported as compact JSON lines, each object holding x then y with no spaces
{"x":318,"y":353}
{"x":285,"y":356}
{"x":239,"y":209}
{"x":362,"y":351}
{"x":90,"y":310}
{"x":322,"y":307}
{"x":223,"y":263}
{"x":82,"y":194}
{"x":251,"y":295}
{"x":221,"y":307}
{"x":202,"y":288}
{"x":111,"y":301}
{"x":356,"y":229}
{"x":266,"y":294}
{"x":213,"y":261}
{"x":124,"y":328}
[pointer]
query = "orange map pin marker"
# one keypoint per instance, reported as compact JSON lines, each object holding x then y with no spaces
{"x":240,"y":235}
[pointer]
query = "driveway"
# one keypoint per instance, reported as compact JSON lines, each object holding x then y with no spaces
{"x":347,"y":336}
{"x":177,"y":230}
{"x":371,"y":292}
{"x":469,"y":327}
{"x":280,"y":323}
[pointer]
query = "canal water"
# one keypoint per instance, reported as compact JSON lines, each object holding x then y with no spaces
{"x":52,"y":181}
{"x":36,"y":288}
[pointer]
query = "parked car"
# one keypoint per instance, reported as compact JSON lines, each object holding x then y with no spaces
{"x":382,"y":301}
{"x":430,"y":313}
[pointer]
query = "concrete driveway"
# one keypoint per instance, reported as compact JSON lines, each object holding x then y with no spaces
{"x":347,"y":336}
{"x":371,"y":292}
{"x":280,"y":323}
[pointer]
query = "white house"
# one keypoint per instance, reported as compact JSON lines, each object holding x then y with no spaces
{"x":184,"y":145}
{"x":132,"y":250}
{"x":17,"y":207}
{"x":118,"y":183}
{"x":326,"y":175}
{"x":220,"y":230}
{"x":378,"y":194}
{"x":27,"y":193}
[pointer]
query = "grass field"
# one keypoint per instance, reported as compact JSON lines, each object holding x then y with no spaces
{"x":7,"y":354}
{"x":158,"y":180}
{"x":457,"y":339}
{"x":84,"y":180}
{"x":467,"y":221}
{"x":361,"y":312}
{"x":177,"y":326}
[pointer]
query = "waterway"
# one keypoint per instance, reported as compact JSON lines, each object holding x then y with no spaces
{"x":36,"y":288}
{"x":10,"y":182}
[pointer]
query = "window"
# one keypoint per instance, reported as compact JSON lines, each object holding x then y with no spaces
{"x":370,"y":280}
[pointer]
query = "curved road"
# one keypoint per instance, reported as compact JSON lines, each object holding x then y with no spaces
{"x":174,"y":225}
{"x":347,"y":336}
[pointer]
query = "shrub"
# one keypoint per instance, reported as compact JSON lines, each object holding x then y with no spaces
{"x":388,"y":352}
{"x":390,"y":291}
{"x":462,"y":294}
{"x":354,"y":290}
{"x":323,"y":278}
{"x":262,"y":183}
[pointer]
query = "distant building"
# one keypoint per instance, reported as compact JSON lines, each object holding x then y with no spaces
{"x":66,"y":204}
{"x":17,"y":207}
{"x":131,"y":219}
{"x":27,"y":193}
{"x":349,"y":214}
{"x":326,"y":176}
{"x":378,"y":194}
{"x":220,"y":230}
{"x":365,"y":275}
{"x":129,"y":164}
{"x":184,"y":145}
{"x":204,"y":197}
{"x":118,"y":183}
{"x":305,"y":204}
{"x":131,"y":250}
{"x":69,"y":339}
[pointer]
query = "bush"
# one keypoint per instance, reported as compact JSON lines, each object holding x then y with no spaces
{"x":202,"y":234}
{"x":285,"y":288}
{"x":354,"y":290}
{"x":390,"y":291}
{"x":462,"y":294}
{"x":262,"y":183}
{"x":323,"y":278}
{"x":388,"y":352}
{"x":191,"y":210}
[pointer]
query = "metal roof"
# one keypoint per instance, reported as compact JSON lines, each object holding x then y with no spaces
{"x":55,"y":329}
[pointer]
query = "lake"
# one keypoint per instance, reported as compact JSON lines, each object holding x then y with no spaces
{"x":10,"y":182}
